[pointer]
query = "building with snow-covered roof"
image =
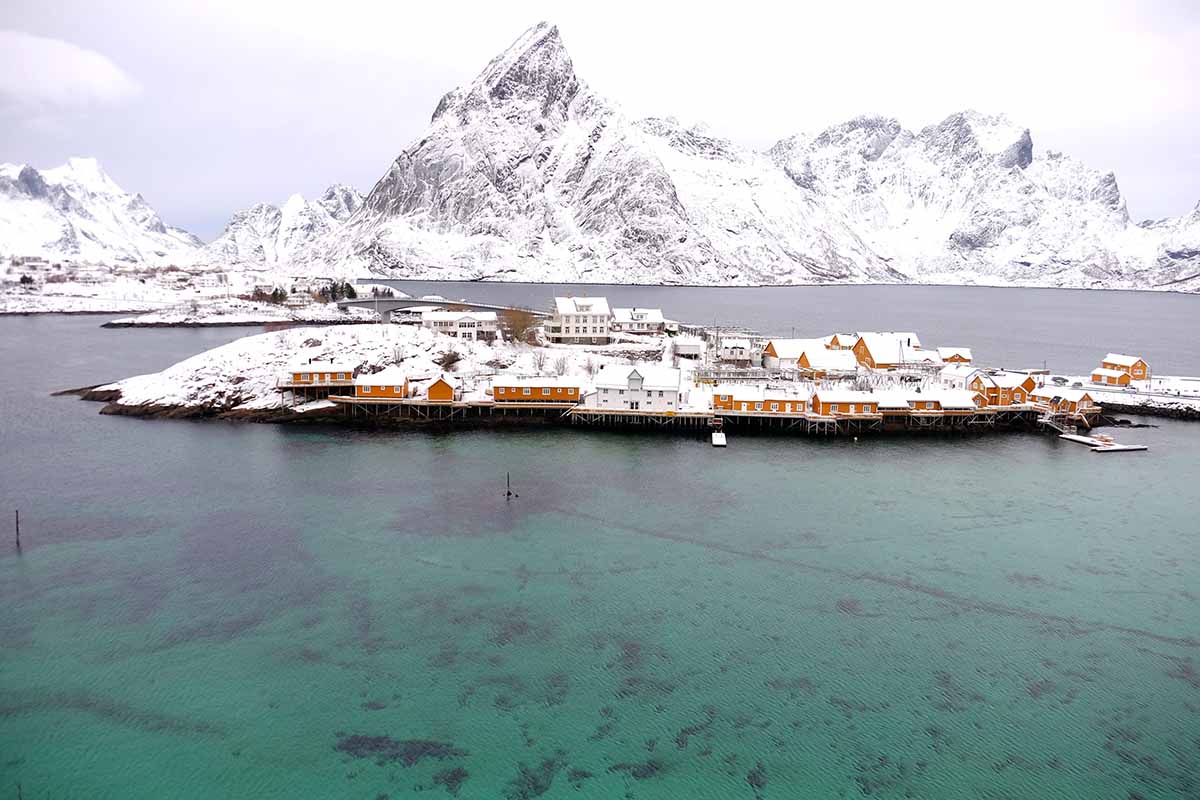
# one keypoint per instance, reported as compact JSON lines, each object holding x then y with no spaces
{"x":1136,"y":366}
{"x":955,"y":355}
{"x":819,"y":362}
{"x":580,"y":320}
{"x":785,"y":353}
{"x":638,"y":320}
{"x":1003,"y":388}
{"x":644,"y":387}
{"x":315,"y":372}
{"x":957,"y":375}
{"x":390,"y":383}
{"x":480,"y":326}
{"x":844,"y":403}
{"x":841,"y":341}
{"x":1062,"y":400}
{"x":891,"y":349}
{"x":1110,"y":377}
{"x":538,"y":389}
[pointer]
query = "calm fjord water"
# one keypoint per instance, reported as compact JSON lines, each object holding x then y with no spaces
{"x":215,"y":610}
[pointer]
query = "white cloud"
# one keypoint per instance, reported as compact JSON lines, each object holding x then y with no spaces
{"x":40,"y":75}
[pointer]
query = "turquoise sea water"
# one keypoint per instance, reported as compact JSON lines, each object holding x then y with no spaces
{"x":214,"y":610}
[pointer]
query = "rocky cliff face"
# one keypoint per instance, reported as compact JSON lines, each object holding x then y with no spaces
{"x":528,"y":174}
{"x":78,"y":212}
{"x":266,"y":235}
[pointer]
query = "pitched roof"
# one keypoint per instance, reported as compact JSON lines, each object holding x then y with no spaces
{"x":1110,"y":373}
{"x":821,"y":359}
{"x":845,"y":396}
{"x":581,"y":305}
{"x":388,"y":376}
{"x":616,"y":376}
{"x":1073,"y":395}
{"x":1123,"y":360}
{"x":891,"y":347}
{"x":951,"y":352}
{"x":321,"y":366}
{"x":1008,"y":380}
{"x":791,"y":349}
{"x":536,"y":381}
{"x":635,"y":314}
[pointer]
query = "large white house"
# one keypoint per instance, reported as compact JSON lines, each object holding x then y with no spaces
{"x":641,"y":388}
{"x":638,"y":320}
{"x":477,"y":325}
{"x":580,"y":320}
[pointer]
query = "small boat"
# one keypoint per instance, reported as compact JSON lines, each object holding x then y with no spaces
{"x":718,"y":439}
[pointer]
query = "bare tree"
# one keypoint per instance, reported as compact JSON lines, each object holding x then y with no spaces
{"x":591,"y":367}
{"x":539,"y":359}
{"x":448,"y":359}
{"x":518,"y":325}
{"x":560,"y":366}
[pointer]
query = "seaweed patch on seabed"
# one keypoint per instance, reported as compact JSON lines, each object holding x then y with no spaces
{"x":950,"y":696}
{"x":641,"y":771}
{"x":685,"y":734}
{"x":535,"y":781}
{"x":13,"y":704}
{"x":452,"y":779}
{"x":385,"y":750}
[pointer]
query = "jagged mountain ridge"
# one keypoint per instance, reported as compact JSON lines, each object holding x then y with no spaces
{"x":76,"y":211}
{"x":266,"y":235}
{"x":526,"y":174}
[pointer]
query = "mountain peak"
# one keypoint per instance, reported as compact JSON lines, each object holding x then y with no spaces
{"x":534,"y":71}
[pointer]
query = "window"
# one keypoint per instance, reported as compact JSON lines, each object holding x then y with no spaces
{"x":526,"y":391}
{"x":621,"y":391}
{"x":758,"y":406}
{"x":660,"y":394}
{"x":774,"y":406}
{"x":398,"y":389}
{"x":605,"y":391}
{"x":545,"y":392}
{"x":500,"y":390}
{"x":724,"y":398}
{"x":366,"y":390}
{"x":303,"y":376}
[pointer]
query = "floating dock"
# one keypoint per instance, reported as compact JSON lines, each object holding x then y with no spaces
{"x":718,"y":439}
{"x":1102,"y":443}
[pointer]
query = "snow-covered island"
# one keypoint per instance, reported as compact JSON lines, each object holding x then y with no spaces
{"x":234,"y":312}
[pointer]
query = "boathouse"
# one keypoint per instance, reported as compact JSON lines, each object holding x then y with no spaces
{"x":642,"y":388}
{"x":443,"y":390}
{"x":1061,"y":400}
{"x":1003,"y":388}
{"x":1110,"y":377}
{"x":889,"y":350}
{"x":321,"y":373}
{"x":844,"y":403}
{"x":389,"y":383}
{"x":1135,"y":366}
{"x":535,"y":390}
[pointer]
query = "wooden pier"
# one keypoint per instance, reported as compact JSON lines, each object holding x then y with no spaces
{"x":488,"y":413}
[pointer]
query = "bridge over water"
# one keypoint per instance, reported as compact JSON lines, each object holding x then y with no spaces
{"x":387,"y":305}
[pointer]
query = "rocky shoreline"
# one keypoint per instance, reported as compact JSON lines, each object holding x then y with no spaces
{"x":1171,"y":412}
{"x":235,"y":324}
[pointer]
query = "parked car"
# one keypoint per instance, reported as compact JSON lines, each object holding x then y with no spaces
{"x":1076,"y":385}
{"x":1059,"y":380}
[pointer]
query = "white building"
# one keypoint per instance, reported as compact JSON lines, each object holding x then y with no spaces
{"x":735,"y":350}
{"x":687,"y":346}
{"x":638,"y":320}
{"x":210,"y":280}
{"x":785,"y":353}
{"x":958,"y":376}
{"x":471,"y":325}
{"x":641,"y":388}
{"x":580,"y":320}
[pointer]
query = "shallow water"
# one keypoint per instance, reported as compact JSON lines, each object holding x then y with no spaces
{"x":217,"y":610}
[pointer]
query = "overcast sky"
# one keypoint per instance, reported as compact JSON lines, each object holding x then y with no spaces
{"x":208,"y":106}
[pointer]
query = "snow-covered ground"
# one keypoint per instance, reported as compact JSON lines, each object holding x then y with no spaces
{"x":243,"y":312}
{"x":1161,"y":392}
{"x":242,"y":376}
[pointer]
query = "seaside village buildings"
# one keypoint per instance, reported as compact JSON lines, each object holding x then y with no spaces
{"x":870,"y":379}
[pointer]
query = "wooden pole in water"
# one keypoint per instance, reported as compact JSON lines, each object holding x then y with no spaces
{"x":17,"y":517}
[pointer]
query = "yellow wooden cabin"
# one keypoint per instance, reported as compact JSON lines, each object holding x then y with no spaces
{"x":441,"y":391}
{"x":1111,"y":377}
{"x":844,"y":403}
{"x":1135,"y":366}
{"x":388,"y":384}
{"x":320,"y":373}
{"x":1003,"y":388}
{"x":534,"y":390}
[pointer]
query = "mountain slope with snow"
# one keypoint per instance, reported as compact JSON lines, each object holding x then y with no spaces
{"x":78,"y":212}
{"x":266,"y":235}
{"x":527,"y":174}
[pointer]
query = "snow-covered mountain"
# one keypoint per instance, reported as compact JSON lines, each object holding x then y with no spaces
{"x":78,"y":212}
{"x":967,"y":200}
{"x":265,"y":235}
{"x":526,"y":174}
